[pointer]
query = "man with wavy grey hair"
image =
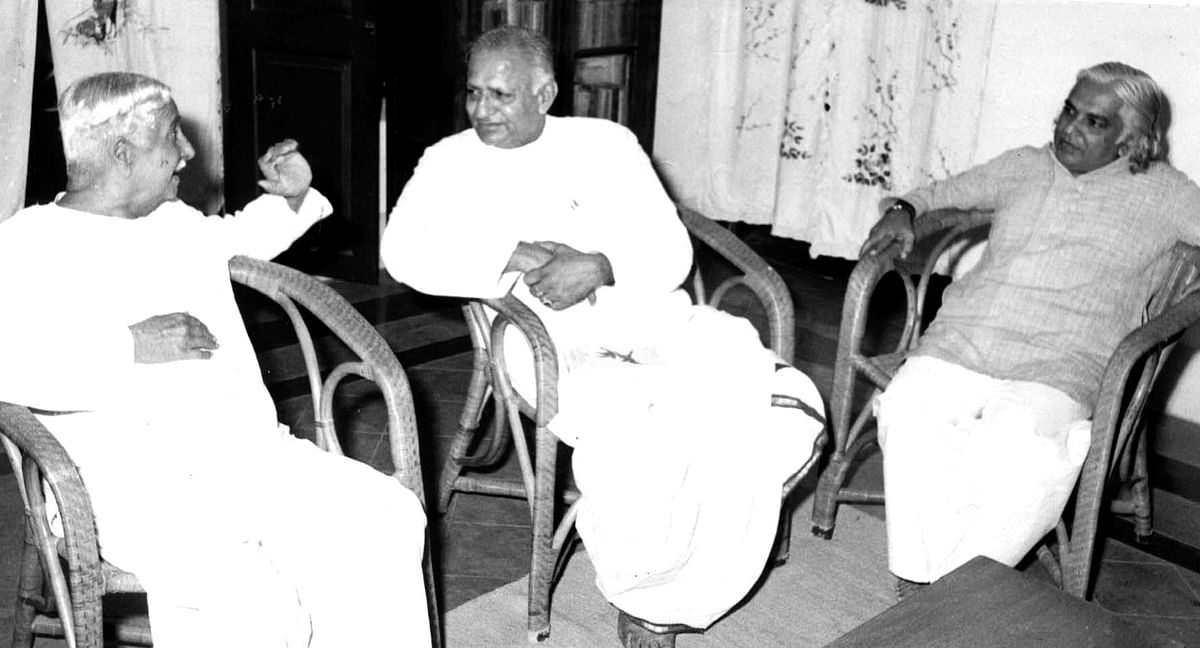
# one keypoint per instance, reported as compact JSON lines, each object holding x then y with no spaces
{"x":132,"y":348}
{"x":1145,"y":112}
{"x":1008,"y":372}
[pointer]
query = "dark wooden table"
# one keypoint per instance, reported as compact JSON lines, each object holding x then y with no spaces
{"x":984,"y":604}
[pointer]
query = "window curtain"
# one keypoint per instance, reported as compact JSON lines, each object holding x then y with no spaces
{"x":802,"y":114}
{"x":18,"y":29}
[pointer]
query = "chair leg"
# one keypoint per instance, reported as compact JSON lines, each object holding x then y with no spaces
{"x":435,"y":625}
{"x":468,"y":424}
{"x":29,"y":591}
{"x":541,"y":580}
{"x":783,"y":541}
{"x":452,"y":467}
{"x":1143,"y":525}
{"x":825,"y":502}
{"x":544,"y":557}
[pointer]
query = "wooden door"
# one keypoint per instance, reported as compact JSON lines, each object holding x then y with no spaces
{"x":306,"y":69}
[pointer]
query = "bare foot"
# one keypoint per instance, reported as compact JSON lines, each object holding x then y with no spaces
{"x":636,"y":633}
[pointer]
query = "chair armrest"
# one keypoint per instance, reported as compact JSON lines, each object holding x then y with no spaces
{"x":934,"y":232}
{"x":512,"y":312}
{"x":377,"y":362}
{"x":45,"y":459}
{"x":1113,"y":411}
{"x":758,"y":276}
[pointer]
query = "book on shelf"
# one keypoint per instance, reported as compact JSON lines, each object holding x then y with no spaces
{"x":600,"y":87}
{"x":492,"y":14}
{"x":531,"y":14}
{"x":612,"y":69}
{"x":605,"y":23}
{"x":604,"y":101}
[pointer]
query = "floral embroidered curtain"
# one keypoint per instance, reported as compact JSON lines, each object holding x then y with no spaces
{"x":802,"y":114}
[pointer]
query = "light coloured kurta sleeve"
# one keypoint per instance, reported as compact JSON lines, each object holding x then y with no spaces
{"x":981,"y":187}
{"x":1186,"y":212}
{"x":56,"y":353}
{"x":265,"y":227}
{"x":643,"y":238}
{"x":439,"y":240}
{"x":57,"y":362}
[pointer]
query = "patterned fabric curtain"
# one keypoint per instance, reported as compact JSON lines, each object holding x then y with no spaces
{"x":175,"y":42}
{"x":18,"y":29}
{"x":815,"y":109}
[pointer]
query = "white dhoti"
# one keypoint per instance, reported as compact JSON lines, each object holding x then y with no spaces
{"x":285,"y":546}
{"x":973,"y":465}
{"x":680,"y":459}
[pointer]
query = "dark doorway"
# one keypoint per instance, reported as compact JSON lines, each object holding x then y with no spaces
{"x":306,"y":70}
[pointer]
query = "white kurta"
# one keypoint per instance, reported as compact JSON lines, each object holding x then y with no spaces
{"x":678,"y":455}
{"x":236,"y":529}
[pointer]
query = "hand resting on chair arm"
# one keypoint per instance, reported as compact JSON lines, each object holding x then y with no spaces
{"x":559,"y":275}
{"x":895,"y":225}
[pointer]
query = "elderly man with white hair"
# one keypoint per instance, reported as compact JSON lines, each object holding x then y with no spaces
{"x":684,"y":427}
{"x":133,"y":350}
{"x":985,"y":426}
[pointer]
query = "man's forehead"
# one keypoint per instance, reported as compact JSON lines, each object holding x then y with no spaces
{"x":498,"y":67}
{"x":167,"y":111}
{"x":1097,"y":98}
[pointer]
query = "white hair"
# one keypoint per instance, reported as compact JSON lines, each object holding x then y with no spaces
{"x":97,"y":109}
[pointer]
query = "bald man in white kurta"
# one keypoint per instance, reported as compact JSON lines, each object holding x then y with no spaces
{"x":679,"y":456}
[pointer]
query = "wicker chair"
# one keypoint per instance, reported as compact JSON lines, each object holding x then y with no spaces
{"x":1118,"y":448}
{"x":67,"y":573}
{"x":539,"y":485}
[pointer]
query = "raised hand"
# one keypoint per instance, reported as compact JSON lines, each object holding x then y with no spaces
{"x":285,"y":172}
{"x":171,"y":337}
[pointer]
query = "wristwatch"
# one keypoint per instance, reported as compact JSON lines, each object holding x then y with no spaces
{"x":902,"y":205}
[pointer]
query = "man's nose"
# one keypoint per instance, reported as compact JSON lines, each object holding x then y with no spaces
{"x":1073,"y":126}
{"x":186,"y":151}
{"x":483,"y":107}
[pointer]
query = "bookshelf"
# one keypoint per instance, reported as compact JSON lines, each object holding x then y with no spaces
{"x":606,"y":52}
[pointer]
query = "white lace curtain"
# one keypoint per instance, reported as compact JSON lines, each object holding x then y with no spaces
{"x":176,"y":42}
{"x":802,"y":114}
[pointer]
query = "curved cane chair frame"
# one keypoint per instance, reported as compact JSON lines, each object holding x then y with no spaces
{"x":68,"y":573}
{"x":1118,"y":450}
{"x":490,"y":379}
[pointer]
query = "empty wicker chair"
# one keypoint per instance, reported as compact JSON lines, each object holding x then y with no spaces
{"x":540,"y":485}
{"x":1118,"y":450}
{"x":64,"y":580}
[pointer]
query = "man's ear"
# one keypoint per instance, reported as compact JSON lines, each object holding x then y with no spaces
{"x":122,"y":153}
{"x":546,"y":95}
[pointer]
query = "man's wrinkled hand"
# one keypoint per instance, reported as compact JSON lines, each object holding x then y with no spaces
{"x":171,"y":337}
{"x":894,"y":226}
{"x":285,"y":172}
{"x":569,"y":277}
